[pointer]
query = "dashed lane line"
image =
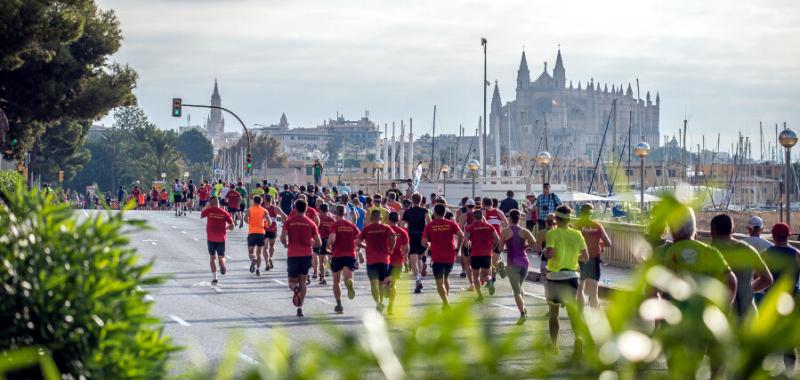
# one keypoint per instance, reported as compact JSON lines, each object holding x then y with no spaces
{"x":504,"y":306}
{"x":246,"y":358}
{"x":179,"y":320}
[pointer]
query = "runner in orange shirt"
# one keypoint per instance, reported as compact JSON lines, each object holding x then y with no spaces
{"x":258,"y":222}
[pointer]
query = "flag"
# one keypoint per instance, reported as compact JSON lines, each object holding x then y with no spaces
{"x":417,"y":176}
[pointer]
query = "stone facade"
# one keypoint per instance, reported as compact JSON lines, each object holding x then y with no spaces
{"x":574,"y":117}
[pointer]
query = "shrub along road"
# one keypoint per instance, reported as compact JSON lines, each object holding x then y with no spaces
{"x":204,"y":319}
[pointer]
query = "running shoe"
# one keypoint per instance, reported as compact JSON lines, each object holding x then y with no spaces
{"x":322,"y":281}
{"x":522,"y":317}
{"x":490,"y":286}
{"x":222,"y":267}
{"x":308,"y":281}
{"x":418,"y":288}
{"x":314,"y":276}
{"x":252,"y":265}
{"x":213,"y":282}
{"x":471,"y":288}
{"x":296,"y":297}
{"x":351,"y":290}
{"x":379,"y":307}
{"x":270,"y":263}
{"x":299,"y":311}
{"x":501,"y":269}
{"x":463,"y":275}
{"x":258,"y":272}
{"x":338,"y":309}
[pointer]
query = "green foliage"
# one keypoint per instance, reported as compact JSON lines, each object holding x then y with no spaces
{"x":264,"y":148}
{"x":71,"y":287}
{"x":60,"y":148}
{"x":10,"y":180}
{"x":195,"y":147}
{"x":54,"y":66}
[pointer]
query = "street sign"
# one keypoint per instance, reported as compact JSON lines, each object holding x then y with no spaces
{"x":219,"y":171}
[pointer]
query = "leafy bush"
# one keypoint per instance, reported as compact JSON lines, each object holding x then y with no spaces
{"x":71,"y":287}
{"x":9,"y":180}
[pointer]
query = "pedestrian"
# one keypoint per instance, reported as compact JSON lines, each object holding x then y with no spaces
{"x":783,"y":261}
{"x":378,"y":240}
{"x":565,"y":248}
{"x":272,"y":231}
{"x":258,"y":222}
{"x":751,"y":272}
{"x":414,"y":220}
{"x":480,"y":239}
{"x":517,"y":241}
{"x":217,"y":225}
{"x":465,"y":220}
{"x":326,"y":221}
{"x":596,"y":239}
{"x":439,"y":236}
{"x":509,"y":203}
{"x":530,"y":212}
{"x":341,"y":244}
{"x":286,"y":200}
{"x":397,"y":259}
{"x":317,"y":169}
{"x":498,"y":221}
{"x":299,"y":235}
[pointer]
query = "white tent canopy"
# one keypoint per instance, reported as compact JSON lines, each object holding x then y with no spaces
{"x":632,"y":197}
{"x":577,"y":196}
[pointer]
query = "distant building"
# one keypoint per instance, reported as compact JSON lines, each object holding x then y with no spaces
{"x":357,"y":137}
{"x":575,"y":117}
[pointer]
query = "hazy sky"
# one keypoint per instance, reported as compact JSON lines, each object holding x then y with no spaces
{"x":727,"y":65}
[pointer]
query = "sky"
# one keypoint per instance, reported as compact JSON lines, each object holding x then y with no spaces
{"x":723,"y":65}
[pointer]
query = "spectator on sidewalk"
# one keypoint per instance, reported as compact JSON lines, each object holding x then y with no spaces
{"x":509,"y":203}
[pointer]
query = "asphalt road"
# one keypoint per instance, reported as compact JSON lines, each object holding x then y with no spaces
{"x":204,"y":318}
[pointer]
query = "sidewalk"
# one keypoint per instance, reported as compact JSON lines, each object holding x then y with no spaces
{"x":612,"y":278}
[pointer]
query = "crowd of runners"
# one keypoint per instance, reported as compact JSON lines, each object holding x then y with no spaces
{"x":329,"y":235}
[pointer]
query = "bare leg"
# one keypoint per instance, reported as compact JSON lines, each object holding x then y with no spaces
{"x":581,"y":297}
{"x":553,"y":323}
{"x":374,"y":286}
{"x":591,"y":287}
{"x":337,"y":292}
{"x":476,"y":281}
{"x":441,"y":288}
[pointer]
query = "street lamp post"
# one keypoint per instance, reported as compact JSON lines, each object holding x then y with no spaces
{"x":788,"y":138}
{"x":642,"y":149}
{"x":473,"y":166}
{"x":445,"y":170}
{"x":543,"y":158}
{"x":379,"y":168}
{"x":484,"y":43}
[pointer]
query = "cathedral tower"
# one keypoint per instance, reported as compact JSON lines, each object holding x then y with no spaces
{"x":215,"y":124}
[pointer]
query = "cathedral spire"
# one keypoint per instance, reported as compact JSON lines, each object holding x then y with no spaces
{"x":559,"y":74}
{"x":629,"y":91}
{"x":497,"y":104}
{"x":215,"y":94}
{"x":658,"y":99}
{"x":523,"y":75}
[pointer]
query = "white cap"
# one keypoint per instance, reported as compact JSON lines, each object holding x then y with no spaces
{"x":754,"y":222}
{"x":470,"y":202}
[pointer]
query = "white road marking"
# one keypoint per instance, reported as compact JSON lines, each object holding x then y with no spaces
{"x":149,"y":298}
{"x":151,"y":241}
{"x":504,"y":307}
{"x":246,"y":358}
{"x":86,"y":214}
{"x":323,"y":300}
{"x":183,"y":232}
{"x":179,"y":320}
{"x":280,"y":282}
{"x":196,"y":239}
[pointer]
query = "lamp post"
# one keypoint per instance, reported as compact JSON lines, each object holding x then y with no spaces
{"x":163,"y":176}
{"x":379,"y":168}
{"x":642,"y":149}
{"x":788,"y":138}
{"x":445,"y":169}
{"x":473,"y":166}
{"x":543,"y":158}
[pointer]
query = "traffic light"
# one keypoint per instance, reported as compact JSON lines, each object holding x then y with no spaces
{"x":176,"y":107}
{"x":249,"y":164}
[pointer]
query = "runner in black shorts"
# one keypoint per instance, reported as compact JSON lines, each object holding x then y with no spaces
{"x":414,"y":221}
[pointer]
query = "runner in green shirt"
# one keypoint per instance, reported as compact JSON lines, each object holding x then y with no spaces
{"x":565,"y":248}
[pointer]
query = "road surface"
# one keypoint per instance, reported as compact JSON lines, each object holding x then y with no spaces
{"x":203,"y":318}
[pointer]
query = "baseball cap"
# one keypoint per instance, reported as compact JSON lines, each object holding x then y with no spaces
{"x":781,"y":229}
{"x":470,"y":202}
{"x":587,"y":206}
{"x":531,"y":195}
{"x":754,"y":222}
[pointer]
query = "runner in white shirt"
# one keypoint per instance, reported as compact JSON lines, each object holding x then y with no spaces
{"x":755,"y":226}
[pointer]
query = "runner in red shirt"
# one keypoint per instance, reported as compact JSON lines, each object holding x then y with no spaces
{"x":326,"y":221}
{"x":341,"y":244}
{"x":234,"y":199}
{"x":310,"y":212}
{"x":218,"y":222}
{"x":272,"y":231}
{"x":398,"y":257}
{"x":438,"y":236}
{"x":202,"y":196}
{"x":481,"y":238}
{"x":498,"y":220}
{"x":154,"y":196}
{"x":379,"y":240}
{"x":299,"y":235}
